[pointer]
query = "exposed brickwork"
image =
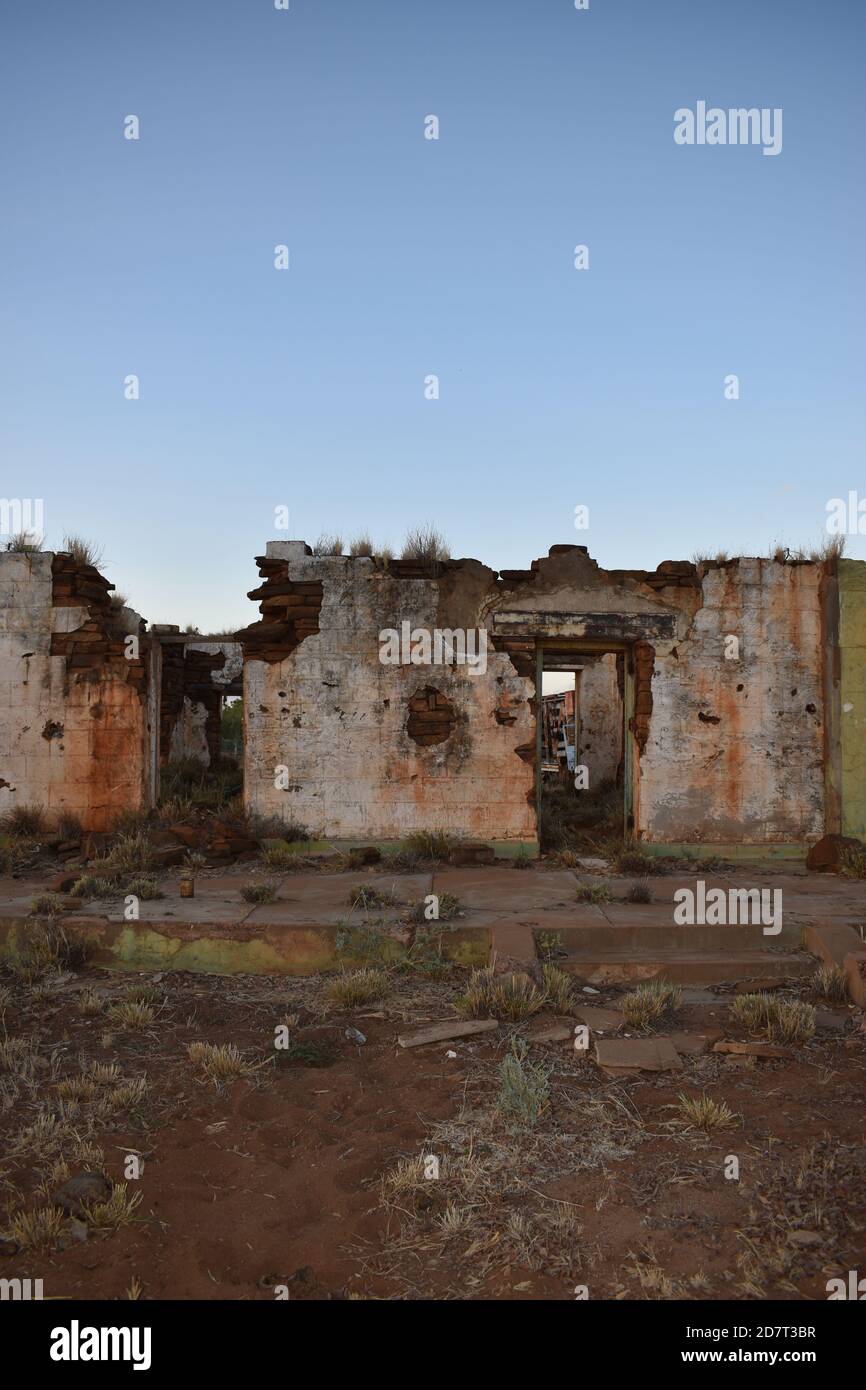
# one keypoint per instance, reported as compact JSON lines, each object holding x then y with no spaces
{"x":98,"y":644}
{"x":290,"y":612}
{"x":431,"y":717}
{"x":188,"y":673}
{"x":644,"y":662}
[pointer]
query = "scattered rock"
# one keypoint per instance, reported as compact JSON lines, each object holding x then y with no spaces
{"x":62,"y":882}
{"x":74,"y":1233}
{"x":805,"y":1237}
{"x":599,"y":1020}
{"x":622,"y":1055}
{"x":593,"y":866}
{"x":826,"y":855}
{"x":763,"y":986}
{"x":854,"y":966}
{"x":752,"y":1049}
{"x":831,"y":1022}
{"x":366,"y":854}
{"x":588,"y":989}
{"x":77,"y":1192}
{"x":693,"y":1044}
{"x":355,"y":1036}
{"x":190,"y":835}
{"x":552,"y":1032}
{"x":169,"y":855}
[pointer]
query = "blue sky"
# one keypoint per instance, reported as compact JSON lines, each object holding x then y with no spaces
{"x":409,"y":257}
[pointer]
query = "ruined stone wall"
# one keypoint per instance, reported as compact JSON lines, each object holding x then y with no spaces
{"x":718,"y":750}
{"x":74,"y":734}
{"x":601,"y":720}
{"x":376,"y":751}
{"x":195,"y":676}
{"x":852,"y":695}
{"x":734,"y":750}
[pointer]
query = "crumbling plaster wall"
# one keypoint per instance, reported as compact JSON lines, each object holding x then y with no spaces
{"x":336,"y":717}
{"x":734,"y":752}
{"x":726,"y":750}
{"x":852,"y":695}
{"x":600,"y":729}
{"x":74,"y":734}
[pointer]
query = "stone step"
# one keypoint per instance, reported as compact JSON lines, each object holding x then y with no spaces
{"x":685,"y":967}
{"x":666,"y":936}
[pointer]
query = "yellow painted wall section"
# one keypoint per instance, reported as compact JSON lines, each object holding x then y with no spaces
{"x":852,"y":652}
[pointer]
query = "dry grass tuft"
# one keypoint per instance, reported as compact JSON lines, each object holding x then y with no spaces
{"x":829,"y":983}
{"x":644,"y":1006}
{"x":328,"y":545}
{"x":779,"y":1020}
{"x":509,"y":997}
{"x":37,"y":1229}
{"x":426,"y":545}
{"x":220,"y":1062}
{"x":705,"y":1113}
{"x":354,"y":987}
{"x":558,"y":988}
{"x":131,"y":1013}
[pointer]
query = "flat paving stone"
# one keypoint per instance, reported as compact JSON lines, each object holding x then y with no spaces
{"x":506,"y":890}
{"x":637,"y":1054}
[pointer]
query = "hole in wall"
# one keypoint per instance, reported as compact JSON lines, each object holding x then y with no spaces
{"x":431,"y":717}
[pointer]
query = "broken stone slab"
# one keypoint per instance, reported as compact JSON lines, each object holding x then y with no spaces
{"x":854,"y":966}
{"x":622,"y":1055}
{"x":693,"y":1044}
{"x":832,"y":943}
{"x":558,"y":1031}
{"x":599,"y":1020}
{"x":752,"y":1049}
{"x":831,"y":1022}
{"x":593,"y":866}
{"x":449,"y":1028}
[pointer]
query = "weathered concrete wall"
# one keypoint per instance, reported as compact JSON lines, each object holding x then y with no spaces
{"x":74,"y":734}
{"x":735,"y":746}
{"x":600,"y":730}
{"x":724,"y":677}
{"x":337,"y":717}
{"x":852,"y":691}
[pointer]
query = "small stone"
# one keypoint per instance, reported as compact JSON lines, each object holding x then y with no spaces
{"x":588,"y":989}
{"x":805,"y":1237}
{"x":74,"y":1194}
{"x":831,"y":1022}
{"x":752,"y":1049}
{"x":354,"y":1036}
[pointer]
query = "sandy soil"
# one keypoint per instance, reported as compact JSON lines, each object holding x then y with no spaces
{"x":307,"y":1172}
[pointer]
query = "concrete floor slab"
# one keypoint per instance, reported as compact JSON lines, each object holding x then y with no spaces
{"x":506,"y":890}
